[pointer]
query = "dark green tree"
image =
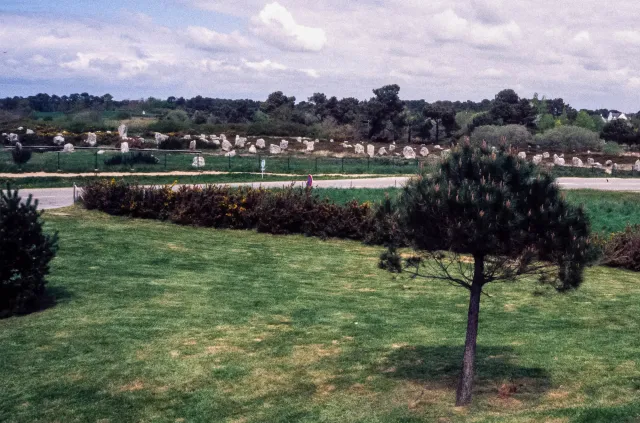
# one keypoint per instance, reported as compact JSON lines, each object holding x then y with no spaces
{"x":486,"y":217}
{"x":443,"y":116}
{"x":25,"y":253}
{"x":619,"y":130}
{"x":385,"y":112}
{"x":20,"y":155}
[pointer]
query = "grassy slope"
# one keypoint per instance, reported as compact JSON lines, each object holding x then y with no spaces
{"x":164,"y":323}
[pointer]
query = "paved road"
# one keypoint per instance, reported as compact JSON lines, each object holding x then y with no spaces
{"x":52,"y":198}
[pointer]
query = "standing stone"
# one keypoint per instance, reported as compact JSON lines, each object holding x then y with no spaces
{"x":260,"y":143}
{"x":371,"y":150}
{"x":522,"y":155}
{"x":216,"y":142}
{"x":231,"y":153}
{"x":274,"y":149}
{"x":68,"y":148}
{"x":223,"y":137}
{"x":299,"y":139}
{"x":408,"y":153}
{"x":545,"y":155}
{"x":636,"y":166}
{"x":331,"y":140}
{"x":124,"y":147}
{"x":198,"y":162}
{"x":100,"y":151}
{"x":226,"y":145}
{"x":252,"y":149}
{"x":14,"y":138}
{"x":310,"y":145}
{"x":240,"y":142}
{"x":590,"y":161}
{"x":608,"y":163}
{"x":186,"y":137}
{"x":20,"y":129}
{"x":558,"y":161}
{"x":597,"y":165}
{"x":30,"y":132}
{"x":576,"y":162}
{"x":160,"y":137}
{"x":359,"y":149}
{"x":424,"y":151}
{"x":122,"y":131}
{"x":284,"y":144}
{"x":382,"y":151}
{"x":57,"y":140}
{"x":92,"y":139}
{"x":392,"y":147}
{"x":537,"y":159}
{"x":192,"y":145}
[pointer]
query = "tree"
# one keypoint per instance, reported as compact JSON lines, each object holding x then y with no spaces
{"x":319,"y":102}
{"x":583,"y":120}
{"x":488,"y":217}
{"x":546,"y":122}
{"x":385,"y":111}
{"x":26,"y":252}
{"x":443,"y":116}
{"x":620,"y":131}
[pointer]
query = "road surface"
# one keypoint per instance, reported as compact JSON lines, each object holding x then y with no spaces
{"x":51,"y":198}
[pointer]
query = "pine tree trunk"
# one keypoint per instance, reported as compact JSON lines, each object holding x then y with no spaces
{"x":465,"y":385}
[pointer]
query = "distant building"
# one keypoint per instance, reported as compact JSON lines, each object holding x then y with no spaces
{"x":614,"y":116}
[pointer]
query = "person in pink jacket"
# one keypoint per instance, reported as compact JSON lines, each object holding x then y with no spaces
{"x":309,"y":181}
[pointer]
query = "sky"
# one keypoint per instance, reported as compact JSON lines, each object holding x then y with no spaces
{"x":585,"y":51}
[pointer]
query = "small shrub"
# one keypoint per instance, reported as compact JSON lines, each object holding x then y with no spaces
{"x":569,"y":138}
{"x":515,"y":135}
{"x":131,"y":159}
{"x":20,"y":155}
{"x":172,"y":143}
{"x":612,"y":148}
{"x":622,"y":249}
{"x":26,"y":252}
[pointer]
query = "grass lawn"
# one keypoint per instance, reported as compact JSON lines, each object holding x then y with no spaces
{"x":88,"y":161}
{"x":164,"y":323}
{"x":609,"y":211}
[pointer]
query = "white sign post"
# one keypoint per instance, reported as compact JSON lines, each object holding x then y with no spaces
{"x":263,"y":164}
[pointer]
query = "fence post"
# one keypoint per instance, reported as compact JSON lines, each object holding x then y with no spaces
{"x":342,"y":165}
{"x":96,"y":167}
{"x":316,"y":165}
{"x":259,"y":162}
{"x":165,"y":161}
{"x":289,"y":164}
{"x":368,"y":163}
{"x":58,"y":161}
{"x":229,"y":157}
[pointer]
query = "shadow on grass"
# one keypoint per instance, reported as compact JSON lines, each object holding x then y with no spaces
{"x":52,"y":297}
{"x":439,"y":366}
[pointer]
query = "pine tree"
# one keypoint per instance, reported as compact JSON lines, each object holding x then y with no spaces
{"x":488,"y":216}
{"x":25,"y":253}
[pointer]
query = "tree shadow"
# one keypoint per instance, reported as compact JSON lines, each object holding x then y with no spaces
{"x":439,"y":367}
{"x":53,"y":296}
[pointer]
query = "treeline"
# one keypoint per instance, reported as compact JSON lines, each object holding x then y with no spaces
{"x":383,"y":116}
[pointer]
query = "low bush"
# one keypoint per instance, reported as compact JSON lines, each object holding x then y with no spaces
{"x":515,"y":135}
{"x":622,"y":249}
{"x":285,"y":211}
{"x":20,"y":155}
{"x":612,"y":148}
{"x":25,"y":253}
{"x":172,"y":143}
{"x":131,"y":159}
{"x":569,"y":138}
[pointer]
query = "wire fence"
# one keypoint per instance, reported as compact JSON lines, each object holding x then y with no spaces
{"x":87,"y":160}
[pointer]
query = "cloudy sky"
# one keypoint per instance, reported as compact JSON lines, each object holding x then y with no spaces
{"x":586,"y":51}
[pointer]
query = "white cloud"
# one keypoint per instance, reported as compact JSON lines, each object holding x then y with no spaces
{"x":276,"y":25}
{"x":448,"y":26}
{"x":207,"y":39}
{"x":582,"y":37}
{"x":265,"y":65}
{"x":628,"y":37}
{"x":492,"y":73}
{"x":634,"y":82}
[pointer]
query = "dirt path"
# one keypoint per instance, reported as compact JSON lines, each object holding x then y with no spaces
{"x":174,"y":173}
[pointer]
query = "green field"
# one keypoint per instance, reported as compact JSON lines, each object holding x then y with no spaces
{"x":88,"y":161}
{"x":164,"y":323}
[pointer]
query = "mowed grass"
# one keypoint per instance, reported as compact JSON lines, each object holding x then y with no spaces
{"x":164,"y":323}
{"x":608,"y":211}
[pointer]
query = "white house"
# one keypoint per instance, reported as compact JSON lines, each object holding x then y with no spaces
{"x":615,"y":116}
